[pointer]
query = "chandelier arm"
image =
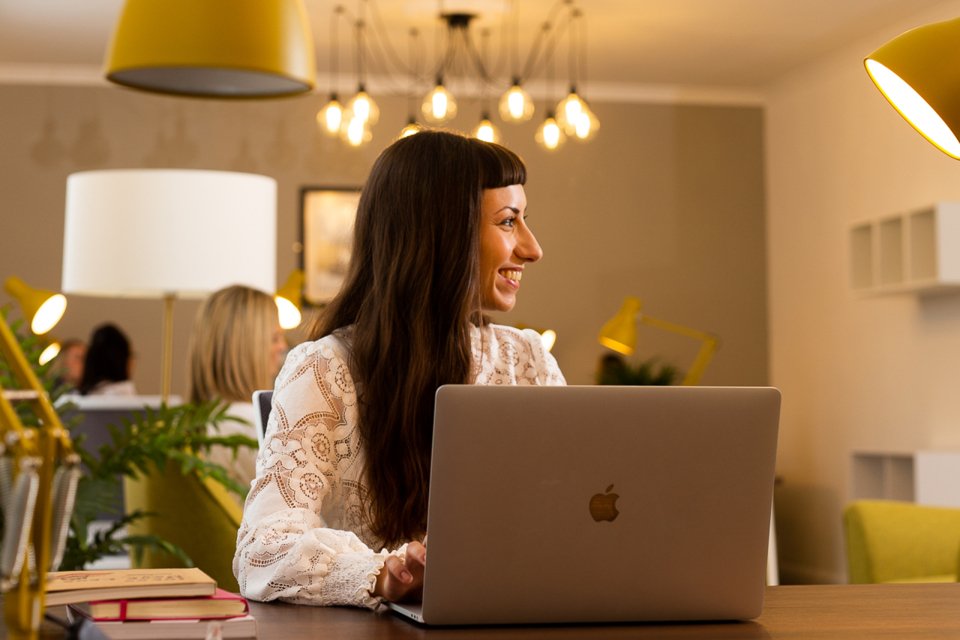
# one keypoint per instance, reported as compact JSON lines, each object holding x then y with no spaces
{"x":528,"y":66}
{"x":379,"y":32}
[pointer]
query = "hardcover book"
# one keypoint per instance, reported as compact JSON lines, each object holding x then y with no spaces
{"x":67,"y":587}
{"x":221,"y":604}
{"x":243,"y":627}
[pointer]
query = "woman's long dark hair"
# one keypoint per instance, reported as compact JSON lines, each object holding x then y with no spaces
{"x":410,"y":294}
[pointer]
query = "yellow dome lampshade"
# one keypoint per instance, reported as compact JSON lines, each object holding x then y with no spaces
{"x":918,"y":72}
{"x":289,"y":299}
{"x":41,"y":308}
{"x":619,"y":333}
{"x":213,"y":48}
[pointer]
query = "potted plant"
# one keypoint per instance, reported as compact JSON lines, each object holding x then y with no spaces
{"x":150,"y":439}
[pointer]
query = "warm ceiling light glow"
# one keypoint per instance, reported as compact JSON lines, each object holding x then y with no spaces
{"x":409,"y":130}
{"x":550,"y":136}
{"x":516,"y":104}
{"x":569,"y":111}
{"x":330,"y":117}
{"x":438,"y":105}
{"x":587,"y":125}
{"x":356,"y":133}
{"x":914,"y":108}
{"x":363,"y":107}
{"x":486,"y":131}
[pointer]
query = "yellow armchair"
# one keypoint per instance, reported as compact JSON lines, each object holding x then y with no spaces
{"x":890,"y":541}
{"x":198,"y":515}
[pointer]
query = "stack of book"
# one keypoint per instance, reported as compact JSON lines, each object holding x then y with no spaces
{"x":142,"y":604}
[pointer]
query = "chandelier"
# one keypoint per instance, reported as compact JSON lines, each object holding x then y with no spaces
{"x":463,"y":67}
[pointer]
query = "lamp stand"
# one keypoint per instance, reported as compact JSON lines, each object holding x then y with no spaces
{"x":708,"y":346}
{"x":167,"y":347}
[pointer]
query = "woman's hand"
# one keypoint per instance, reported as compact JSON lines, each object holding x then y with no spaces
{"x":402,"y":580}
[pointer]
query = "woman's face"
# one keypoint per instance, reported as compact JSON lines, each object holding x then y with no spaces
{"x":506,"y":246}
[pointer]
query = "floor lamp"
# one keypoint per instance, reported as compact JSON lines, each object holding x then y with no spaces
{"x":168,"y":233}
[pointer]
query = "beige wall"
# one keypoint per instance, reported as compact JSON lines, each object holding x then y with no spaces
{"x":667,"y":204}
{"x":859,"y":373}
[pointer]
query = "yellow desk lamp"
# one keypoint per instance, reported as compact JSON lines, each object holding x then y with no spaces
{"x":39,"y":471}
{"x":289,"y":299}
{"x":918,"y":72}
{"x":619,"y":334}
{"x":41,"y":308}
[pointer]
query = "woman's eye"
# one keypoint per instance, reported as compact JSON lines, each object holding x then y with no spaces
{"x":509,"y":222}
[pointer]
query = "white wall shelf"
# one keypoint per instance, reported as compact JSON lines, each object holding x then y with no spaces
{"x":925,"y":477}
{"x":913,"y":252}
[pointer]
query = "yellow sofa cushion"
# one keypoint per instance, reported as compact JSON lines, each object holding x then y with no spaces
{"x":891,"y":541}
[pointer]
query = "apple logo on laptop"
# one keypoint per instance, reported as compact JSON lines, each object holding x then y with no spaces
{"x":603,"y":506}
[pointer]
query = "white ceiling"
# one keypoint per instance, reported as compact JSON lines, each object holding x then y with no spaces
{"x":720,"y":43}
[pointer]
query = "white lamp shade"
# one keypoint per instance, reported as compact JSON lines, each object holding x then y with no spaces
{"x":148,"y":233}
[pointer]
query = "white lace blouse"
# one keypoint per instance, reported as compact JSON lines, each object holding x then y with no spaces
{"x":303,"y":537}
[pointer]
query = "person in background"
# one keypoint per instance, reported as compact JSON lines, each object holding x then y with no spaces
{"x":68,"y":364}
{"x":337,"y":513}
{"x":108,"y":364}
{"x":236,"y":347}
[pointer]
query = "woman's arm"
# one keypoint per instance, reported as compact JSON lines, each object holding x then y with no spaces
{"x":307,"y":473}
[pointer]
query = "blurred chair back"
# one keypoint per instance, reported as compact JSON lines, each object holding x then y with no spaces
{"x":198,"y":515}
{"x":890,"y":541}
{"x":262,"y":401}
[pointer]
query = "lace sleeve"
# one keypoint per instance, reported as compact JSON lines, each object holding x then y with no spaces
{"x":548,"y":371}
{"x":296,"y":542}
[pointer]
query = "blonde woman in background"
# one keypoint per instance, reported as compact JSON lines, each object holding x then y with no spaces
{"x":237,"y":347}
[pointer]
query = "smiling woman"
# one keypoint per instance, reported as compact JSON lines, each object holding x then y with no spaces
{"x":440,"y":238}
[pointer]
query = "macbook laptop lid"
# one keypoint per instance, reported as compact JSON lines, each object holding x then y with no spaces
{"x":598,"y":504}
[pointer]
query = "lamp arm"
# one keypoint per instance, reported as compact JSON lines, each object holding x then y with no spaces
{"x":708,"y":346}
{"x":674,"y":328}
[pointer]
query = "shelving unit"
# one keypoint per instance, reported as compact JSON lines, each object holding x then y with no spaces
{"x":882,"y":476}
{"x":926,"y":477}
{"x":913,"y":252}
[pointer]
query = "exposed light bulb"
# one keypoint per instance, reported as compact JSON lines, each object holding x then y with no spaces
{"x":516,"y":104}
{"x":409,"y":130}
{"x":569,"y":110}
{"x":550,"y":136}
{"x":362,"y":106}
{"x":439,"y":105}
{"x":356,"y":132}
{"x":486,"y":130}
{"x":586,"y":126}
{"x":330,"y":117}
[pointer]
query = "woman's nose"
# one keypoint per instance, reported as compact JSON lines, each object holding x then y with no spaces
{"x":528,"y":248}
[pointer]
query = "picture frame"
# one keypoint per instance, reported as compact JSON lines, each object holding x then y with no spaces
{"x":327,"y":215}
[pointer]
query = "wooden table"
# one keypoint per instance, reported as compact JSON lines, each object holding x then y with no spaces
{"x":834,"y":612}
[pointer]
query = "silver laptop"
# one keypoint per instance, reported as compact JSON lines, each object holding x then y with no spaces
{"x":598,"y":504}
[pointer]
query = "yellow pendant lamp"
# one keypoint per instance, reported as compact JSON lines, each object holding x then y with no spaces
{"x":213,"y":48}
{"x":918,"y":72}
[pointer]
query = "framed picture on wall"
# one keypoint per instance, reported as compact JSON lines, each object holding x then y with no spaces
{"x":327,"y":215}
